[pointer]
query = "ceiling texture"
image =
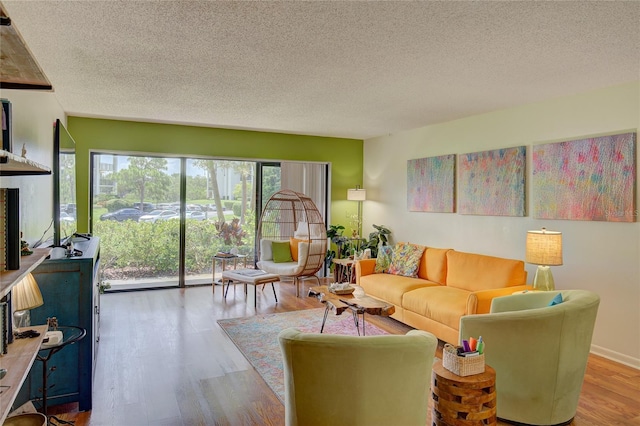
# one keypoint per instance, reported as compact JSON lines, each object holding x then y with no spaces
{"x":337,"y":68}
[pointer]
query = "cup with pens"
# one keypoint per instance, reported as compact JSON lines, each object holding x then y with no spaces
{"x":466,"y":359}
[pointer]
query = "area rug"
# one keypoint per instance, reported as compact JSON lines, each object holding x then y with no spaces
{"x":257,"y":338}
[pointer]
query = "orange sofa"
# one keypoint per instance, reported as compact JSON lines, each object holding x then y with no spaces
{"x":449,"y":285}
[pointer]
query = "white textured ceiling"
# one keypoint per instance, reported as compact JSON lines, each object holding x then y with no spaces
{"x":348,"y":69}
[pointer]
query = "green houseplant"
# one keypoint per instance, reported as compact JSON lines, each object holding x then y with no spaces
{"x":377,"y":238}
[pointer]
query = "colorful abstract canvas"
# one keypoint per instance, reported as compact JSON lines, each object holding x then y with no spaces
{"x":492,"y":182}
{"x":431,"y":184}
{"x":587,"y":179}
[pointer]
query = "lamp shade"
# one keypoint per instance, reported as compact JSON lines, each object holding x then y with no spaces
{"x":26,"y":294}
{"x":357,"y":194}
{"x":544,"y":247}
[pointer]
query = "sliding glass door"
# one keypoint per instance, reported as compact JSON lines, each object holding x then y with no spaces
{"x":136,"y":211}
{"x":163,"y":220}
{"x":219,"y":216}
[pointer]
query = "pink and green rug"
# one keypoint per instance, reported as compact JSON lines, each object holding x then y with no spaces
{"x":257,"y":337}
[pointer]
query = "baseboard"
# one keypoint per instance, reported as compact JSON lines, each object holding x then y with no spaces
{"x":616,"y":356}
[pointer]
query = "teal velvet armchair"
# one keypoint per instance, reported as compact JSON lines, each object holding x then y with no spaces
{"x":352,"y":380}
{"x":539,"y":352}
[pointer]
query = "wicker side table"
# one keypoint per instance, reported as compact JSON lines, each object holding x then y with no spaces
{"x":463,"y":401}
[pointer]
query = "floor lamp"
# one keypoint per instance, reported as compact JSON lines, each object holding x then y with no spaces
{"x":358,"y":194}
{"x":544,"y":248}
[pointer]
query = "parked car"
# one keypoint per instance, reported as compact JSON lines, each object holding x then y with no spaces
{"x":146,"y":207}
{"x":157,"y":215}
{"x":122,"y":215}
{"x":192,"y":215}
{"x":66,"y":217}
{"x":195,"y":215}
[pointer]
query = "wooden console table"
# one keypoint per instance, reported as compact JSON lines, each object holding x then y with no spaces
{"x":18,"y":360}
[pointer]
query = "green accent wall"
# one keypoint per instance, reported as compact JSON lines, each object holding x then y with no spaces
{"x":92,"y":134}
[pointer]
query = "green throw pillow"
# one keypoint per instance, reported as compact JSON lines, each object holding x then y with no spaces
{"x":281,"y":251}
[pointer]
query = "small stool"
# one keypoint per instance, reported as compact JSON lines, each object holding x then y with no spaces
{"x":254,"y":277}
{"x":462,"y":401}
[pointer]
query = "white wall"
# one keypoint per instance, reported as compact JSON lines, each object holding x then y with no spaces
{"x":34,"y":115}
{"x":600,"y":256}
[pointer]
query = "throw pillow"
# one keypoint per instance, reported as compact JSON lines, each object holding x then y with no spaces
{"x":281,"y":251}
{"x":406,"y":259}
{"x":385,"y":253}
{"x":293,"y":242}
{"x":556,"y":300}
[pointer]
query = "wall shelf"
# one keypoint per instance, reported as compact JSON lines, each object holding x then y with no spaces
{"x":14,"y":165}
{"x":27,"y":264}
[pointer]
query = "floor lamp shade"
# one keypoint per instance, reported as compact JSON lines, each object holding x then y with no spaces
{"x":544,"y":248}
{"x":357,"y":194}
{"x":25,"y":296}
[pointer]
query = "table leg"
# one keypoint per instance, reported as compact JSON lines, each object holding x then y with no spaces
{"x":274,"y":292}
{"x":324,"y":319}
{"x":213,"y":275}
{"x":354,"y":312}
{"x":228,"y":285}
{"x":44,"y":387}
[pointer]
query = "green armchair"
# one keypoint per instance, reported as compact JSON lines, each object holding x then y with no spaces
{"x":539,"y":352}
{"x":352,"y":380}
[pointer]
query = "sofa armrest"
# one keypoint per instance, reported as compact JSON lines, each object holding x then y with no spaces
{"x":364,"y":267}
{"x":479,"y":302}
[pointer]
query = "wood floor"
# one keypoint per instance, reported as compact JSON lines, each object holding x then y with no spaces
{"x":163,"y":360}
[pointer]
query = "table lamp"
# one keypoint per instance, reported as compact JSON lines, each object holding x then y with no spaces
{"x":358,"y":194}
{"x":544,"y":248}
{"x":25,"y":296}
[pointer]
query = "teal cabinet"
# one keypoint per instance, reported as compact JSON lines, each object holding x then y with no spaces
{"x":70,"y":290}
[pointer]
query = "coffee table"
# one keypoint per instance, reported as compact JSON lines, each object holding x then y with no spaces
{"x":358,"y":303}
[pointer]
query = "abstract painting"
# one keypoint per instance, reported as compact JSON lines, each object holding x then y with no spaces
{"x":431,"y":184}
{"x":586,"y":179}
{"x":492,"y":182}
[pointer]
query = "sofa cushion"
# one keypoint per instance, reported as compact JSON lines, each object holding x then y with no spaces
{"x":385,"y":254}
{"x":406,"y":259}
{"x":286,"y":268}
{"x":433,"y":265}
{"x":281,"y":251}
{"x":474,"y":272}
{"x":390,"y":288}
{"x":443,"y":304}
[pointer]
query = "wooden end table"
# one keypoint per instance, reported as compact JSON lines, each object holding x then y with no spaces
{"x":223,"y":260}
{"x":463,"y":401}
{"x":343,"y":270}
{"x":357,"y":305}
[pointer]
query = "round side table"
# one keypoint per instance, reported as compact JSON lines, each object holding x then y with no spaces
{"x":463,"y":401}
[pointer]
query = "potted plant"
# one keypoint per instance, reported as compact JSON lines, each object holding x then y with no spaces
{"x":377,"y":238}
{"x":334,"y":233}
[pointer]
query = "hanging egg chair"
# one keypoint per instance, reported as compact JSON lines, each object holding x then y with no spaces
{"x":292,"y":237}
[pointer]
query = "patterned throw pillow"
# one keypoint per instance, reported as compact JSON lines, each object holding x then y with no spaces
{"x":406,"y":259}
{"x":385,"y":253}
